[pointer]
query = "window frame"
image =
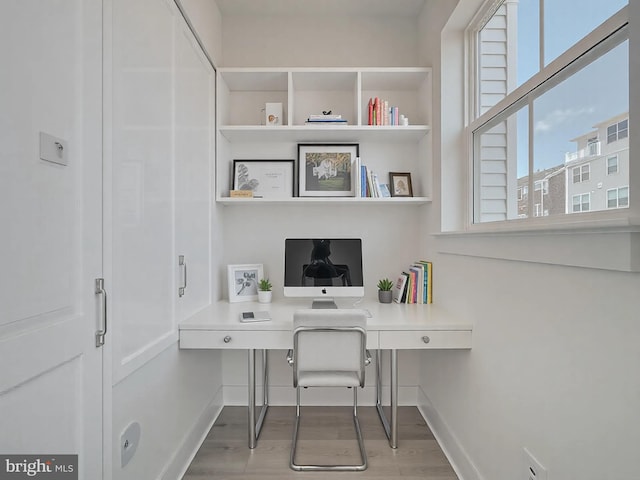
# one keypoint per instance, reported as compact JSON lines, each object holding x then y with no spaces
{"x":617,"y":170}
{"x":611,"y":33}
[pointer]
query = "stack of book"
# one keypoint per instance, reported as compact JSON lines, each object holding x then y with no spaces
{"x":367,"y":183}
{"x":323,"y":119}
{"x":415,"y":285}
{"x":380,"y":113}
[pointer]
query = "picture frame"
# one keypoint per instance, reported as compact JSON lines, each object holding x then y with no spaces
{"x":243,"y":281}
{"x":325,"y":169}
{"x":400,"y":184}
{"x":265,"y":178}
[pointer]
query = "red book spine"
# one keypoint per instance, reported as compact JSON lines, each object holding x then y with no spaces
{"x":370,"y":108}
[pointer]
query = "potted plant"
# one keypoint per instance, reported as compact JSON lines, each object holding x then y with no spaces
{"x":384,"y":290}
{"x":264,"y":290}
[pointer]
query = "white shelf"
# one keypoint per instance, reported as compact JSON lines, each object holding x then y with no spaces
{"x":242,"y":94}
{"x":324,"y":133}
{"x":325,"y":201}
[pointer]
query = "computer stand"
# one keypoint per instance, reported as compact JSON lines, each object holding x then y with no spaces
{"x":320,"y":303}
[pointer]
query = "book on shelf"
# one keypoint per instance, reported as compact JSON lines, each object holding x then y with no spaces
{"x":326,"y":122}
{"x":400,"y":288}
{"x":415,"y":285}
{"x":327,"y":117}
{"x":381,"y":113}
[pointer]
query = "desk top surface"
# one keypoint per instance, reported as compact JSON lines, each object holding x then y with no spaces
{"x":226,"y":316}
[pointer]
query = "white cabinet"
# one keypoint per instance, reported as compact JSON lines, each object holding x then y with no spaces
{"x":243,"y":92}
{"x":162,"y":139}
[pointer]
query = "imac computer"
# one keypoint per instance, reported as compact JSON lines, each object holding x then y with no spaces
{"x":323,"y":268}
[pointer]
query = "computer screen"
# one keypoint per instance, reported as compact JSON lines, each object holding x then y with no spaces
{"x":323,"y":267}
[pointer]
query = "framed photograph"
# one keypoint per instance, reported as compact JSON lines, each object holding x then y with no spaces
{"x":325,"y":170}
{"x":265,"y":178}
{"x":243,"y":282}
{"x":400,"y":184}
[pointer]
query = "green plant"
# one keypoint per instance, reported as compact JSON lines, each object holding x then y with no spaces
{"x":264,"y":285}
{"x":385,"y":285}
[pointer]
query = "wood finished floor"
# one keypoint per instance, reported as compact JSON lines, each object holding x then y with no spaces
{"x":326,"y":436}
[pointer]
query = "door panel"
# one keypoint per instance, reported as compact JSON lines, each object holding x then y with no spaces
{"x":50,"y":248}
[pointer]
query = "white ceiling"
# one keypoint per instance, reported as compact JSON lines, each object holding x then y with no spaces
{"x":321,"y":7}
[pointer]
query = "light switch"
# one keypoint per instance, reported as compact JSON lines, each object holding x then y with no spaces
{"x":53,"y":149}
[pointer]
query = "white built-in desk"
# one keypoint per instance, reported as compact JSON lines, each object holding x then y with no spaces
{"x":390,"y":327}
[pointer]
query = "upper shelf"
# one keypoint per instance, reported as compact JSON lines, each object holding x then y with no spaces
{"x":325,"y":201}
{"x":327,"y":133}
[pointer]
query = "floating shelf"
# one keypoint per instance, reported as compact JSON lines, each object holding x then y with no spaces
{"x":325,"y":201}
{"x":305,"y":133}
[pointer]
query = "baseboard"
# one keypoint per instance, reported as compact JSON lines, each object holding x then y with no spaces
{"x":280,"y":395}
{"x":453,"y":450}
{"x":184,"y":455}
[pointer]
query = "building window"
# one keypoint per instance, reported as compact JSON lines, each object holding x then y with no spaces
{"x":527,"y":104}
{"x":612,"y":165}
{"x":581,"y":202}
{"x":618,"y":131}
{"x":618,"y":197}
{"x":581,"y":174}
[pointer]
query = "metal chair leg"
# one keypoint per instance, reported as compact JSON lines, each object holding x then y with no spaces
{"x":336,"y":468}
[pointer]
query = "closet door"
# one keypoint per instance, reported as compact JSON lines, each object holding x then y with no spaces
{"x":142,"y":228}
{"x":194,"y":104}
{"x":51,"y":397}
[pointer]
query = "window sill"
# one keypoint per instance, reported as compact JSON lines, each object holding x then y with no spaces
{"x":611,"y":244}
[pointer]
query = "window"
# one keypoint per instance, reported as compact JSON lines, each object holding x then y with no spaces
{"x":582,"y":203}
{"x":618,"y":131}
{"x":581,"y":174}
{"x":618,"y":197}
{"x":612,"y":165}
{"x":542,"y":96}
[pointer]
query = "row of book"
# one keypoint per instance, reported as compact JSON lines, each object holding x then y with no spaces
{"x":326,"y":119}
{"x":415,"y":285}
{"x":380,"y":113}
{"x":367,"y":183}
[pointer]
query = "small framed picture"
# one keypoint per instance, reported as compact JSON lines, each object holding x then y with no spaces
{"x":325,"y":169}
{"x":243,"y":282}
{"x":265,"y":178}
{"x":400,"y":184}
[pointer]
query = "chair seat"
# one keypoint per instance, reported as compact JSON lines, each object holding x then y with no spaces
{"x":328,"y":379}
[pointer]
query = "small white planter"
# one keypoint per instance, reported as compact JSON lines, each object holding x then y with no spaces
{"x":264,"y":297}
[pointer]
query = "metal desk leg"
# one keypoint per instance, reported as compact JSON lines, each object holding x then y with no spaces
{"x":393,"y":441}
{"x":256,"y":427}
{"x":391,"y":430}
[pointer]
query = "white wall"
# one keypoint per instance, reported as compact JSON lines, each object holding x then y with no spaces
{"x":554,"y":363}
{"x":319,"y":41}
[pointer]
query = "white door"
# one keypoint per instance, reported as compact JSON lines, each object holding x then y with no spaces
{"x":51,"y":236}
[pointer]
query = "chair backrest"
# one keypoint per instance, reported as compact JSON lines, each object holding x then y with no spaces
{"x":329,"y":340}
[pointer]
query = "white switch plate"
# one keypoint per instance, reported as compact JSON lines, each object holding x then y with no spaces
{"x":53,"y":149}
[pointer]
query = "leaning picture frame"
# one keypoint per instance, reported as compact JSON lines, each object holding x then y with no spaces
{"x":325,"y":169}
{"x":400,"y":184}
{"x":265,"y":178}
{"x":243,"y":281}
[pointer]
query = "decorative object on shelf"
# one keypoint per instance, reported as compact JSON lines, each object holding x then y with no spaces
{"x":264,"y":290}
{"x":243,"y":282}
{"x":273,"y":113}
{"x":326,"y":169}
{"x":241,"y":194}
{"x":400,"y":183}
{"x":265,"y":178}
{"x":385,"y":295}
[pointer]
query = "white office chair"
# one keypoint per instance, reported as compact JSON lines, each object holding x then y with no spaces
{"x":329,"y":350}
